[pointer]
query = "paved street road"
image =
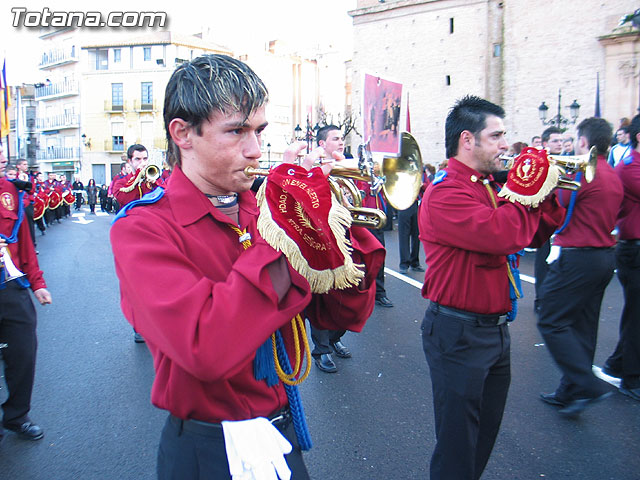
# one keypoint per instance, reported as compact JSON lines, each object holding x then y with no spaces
{"x":372,"y":420}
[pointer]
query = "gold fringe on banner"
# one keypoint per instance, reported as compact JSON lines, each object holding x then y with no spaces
{"x":321,"y":281}
{"x":553,"y":175}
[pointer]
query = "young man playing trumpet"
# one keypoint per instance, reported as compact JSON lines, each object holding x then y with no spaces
{"x":134,"y":186}
{"x":213,"y":299}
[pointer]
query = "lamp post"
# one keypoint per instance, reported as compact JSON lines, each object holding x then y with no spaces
{"x":269,"y":154}
{"x":559,"y":120}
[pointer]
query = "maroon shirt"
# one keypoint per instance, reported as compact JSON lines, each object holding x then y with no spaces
{"x":204,"y":304}
{"x":466,"y":240}
{"x":595,"y":212}
{"x":629,"y":215}
{"x":23,"y":255}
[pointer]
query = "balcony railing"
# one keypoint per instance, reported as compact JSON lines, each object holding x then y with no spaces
{"x":59,"y":153}
{"x":111,"y":146}
{"x":111,"y":107}
{"x":58,"y":56}
{"x":65,"y":120}
{"x":138,"y":106}
{"x":59,"y":89}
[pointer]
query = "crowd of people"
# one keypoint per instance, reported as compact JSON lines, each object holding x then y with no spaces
{"x":228,"y":377}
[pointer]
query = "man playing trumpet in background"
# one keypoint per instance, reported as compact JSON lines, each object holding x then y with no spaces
{"x":136,"y":184}
{"x":213,"y":299}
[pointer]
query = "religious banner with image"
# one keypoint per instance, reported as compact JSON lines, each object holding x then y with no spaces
{"x":381,"y":107}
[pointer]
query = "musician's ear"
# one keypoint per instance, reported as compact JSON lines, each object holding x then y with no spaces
{"x":180,"y":131}
{"x":467,"y":140}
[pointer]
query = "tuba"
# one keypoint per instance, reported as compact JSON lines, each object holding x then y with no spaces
{"x":399,"y":177}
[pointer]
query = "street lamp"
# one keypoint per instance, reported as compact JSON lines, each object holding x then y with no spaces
{"x":298,"y":131}
{"x":269,"y":154}
{"x":559,"y":120}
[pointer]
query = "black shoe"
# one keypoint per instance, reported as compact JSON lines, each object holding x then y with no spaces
{"x":612,"y":372}
{"x":341,"y":350}
{"x":629,"y":391}
{"x":417,"y":268}
{"x":575,"y":407}
{"x":325,"y":363}
{"x":384,"y":302}
{"x":551,"y":399}
{"x":403,"y":270}
{"x":27,"y":431}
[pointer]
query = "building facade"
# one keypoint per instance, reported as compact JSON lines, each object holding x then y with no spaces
{"x":515,"y":53}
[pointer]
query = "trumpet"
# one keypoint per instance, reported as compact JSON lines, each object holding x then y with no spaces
{"x":151,"y":173}
{"x":11,"y":272}
{"x":568,"y":164}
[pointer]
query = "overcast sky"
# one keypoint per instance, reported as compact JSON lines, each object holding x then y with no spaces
{"x":239,"y":24}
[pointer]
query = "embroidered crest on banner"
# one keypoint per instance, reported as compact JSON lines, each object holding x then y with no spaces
{"x":7,"y":201}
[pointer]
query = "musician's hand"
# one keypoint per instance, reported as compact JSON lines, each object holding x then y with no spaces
{"x":291,"y":153}
{"x":43,"y":296}
{"x":317,"y":157}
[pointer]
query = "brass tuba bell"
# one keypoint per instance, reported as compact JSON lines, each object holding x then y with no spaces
{"x":11,"y":272}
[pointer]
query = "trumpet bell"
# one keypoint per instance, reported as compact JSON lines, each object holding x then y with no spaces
{"x":11,"y":272}
{"x":403,"y":174}
{"x":573,"y":163}
{"x":152,"y":173}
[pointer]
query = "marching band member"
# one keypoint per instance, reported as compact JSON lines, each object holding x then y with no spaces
{"x":571,"y":295}
{"x":468,"y":232}
{"x":17,"y":314}
{"x":135,"y":185}
{"x":624,"y":362}
{"x":213,"y":298}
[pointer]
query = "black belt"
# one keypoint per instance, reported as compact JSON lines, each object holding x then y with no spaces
{"x":280,"y":420}
{"x":629,"y":242}
{"x":586,"y":248}
{"x":477,"y":319}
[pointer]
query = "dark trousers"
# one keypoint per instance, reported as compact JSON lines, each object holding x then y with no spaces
{"x":408,"y":240}
{"x":540,"y":269}
{"x":322,"y":340}
{"x":470,"y":374}
{"x":570,"y":312}
{"x":18,"y":331}
{"x":78,"y":201}
{"x":380,"y":291}
{"x":32,"y":228}
{"x":626,"y":357}
{"x":40,"y":224}
{"x":185,"y":454}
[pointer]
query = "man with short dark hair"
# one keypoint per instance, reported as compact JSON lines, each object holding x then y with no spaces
{"x":468,"y":232}
{"x":571,"y":295}
{"x":624,"y":362}
{"x":222,"y":299}
{"x":135,"y":185}
{"x":536,"y":141}
{"x":622,"y":149}
{"x":551,"y":142}
{"x":325,"y":342}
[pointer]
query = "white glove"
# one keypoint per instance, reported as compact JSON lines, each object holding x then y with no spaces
{"x":255,"y":450}
{"x":554,"y":254}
